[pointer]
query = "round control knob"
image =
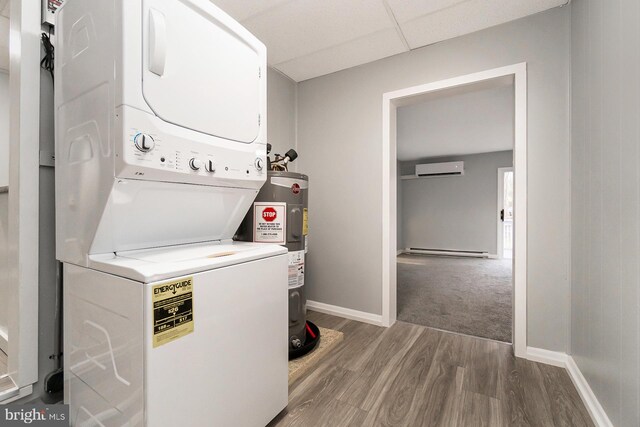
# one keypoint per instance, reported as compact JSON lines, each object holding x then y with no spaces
{"x":144,"y":142}
{"x":259,"y":164}
{"x":209,"y":166}
{"x":195,"y":164}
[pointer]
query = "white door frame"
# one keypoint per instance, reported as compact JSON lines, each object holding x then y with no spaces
{"x":501,"y":172}
{"x":390,"y":102}
{"x":23,"y":233}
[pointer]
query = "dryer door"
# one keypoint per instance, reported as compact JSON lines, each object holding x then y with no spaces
{"x":201,"y":69}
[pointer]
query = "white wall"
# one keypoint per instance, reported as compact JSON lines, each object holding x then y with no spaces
{"x":281,"y":112}
{"x":605,"y":289}
{"x":340,"y":117}
{"x":454,"y":212}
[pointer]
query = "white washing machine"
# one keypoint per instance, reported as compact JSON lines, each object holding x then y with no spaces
{"x":160,"y":152}
{"x":177,"y":336}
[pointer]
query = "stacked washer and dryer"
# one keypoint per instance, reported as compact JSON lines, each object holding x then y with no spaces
{"x":160,"y":151}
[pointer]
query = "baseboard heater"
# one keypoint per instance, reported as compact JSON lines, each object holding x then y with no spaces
{"x":447,"y":252}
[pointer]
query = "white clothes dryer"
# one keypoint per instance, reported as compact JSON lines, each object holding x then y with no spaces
{"x":160,"y":148}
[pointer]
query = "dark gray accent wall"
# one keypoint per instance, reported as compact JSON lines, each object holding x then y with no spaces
{"x":453,"y":212}
{"x":605,"y":285}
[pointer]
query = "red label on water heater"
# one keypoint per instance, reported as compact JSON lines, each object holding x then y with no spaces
{"x":269,"y":222}
{"x":269,"y":214}
{"x":295,"y":188}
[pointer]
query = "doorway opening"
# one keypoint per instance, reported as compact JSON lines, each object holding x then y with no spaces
{"x":451,"y":272}
{"x":505,"y":211}
{"x":392,"y":102}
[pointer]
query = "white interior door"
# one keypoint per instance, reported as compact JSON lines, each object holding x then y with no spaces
{"x":191,"y":54}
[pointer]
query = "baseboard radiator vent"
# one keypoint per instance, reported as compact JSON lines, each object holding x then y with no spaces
{"x":447,"y":252}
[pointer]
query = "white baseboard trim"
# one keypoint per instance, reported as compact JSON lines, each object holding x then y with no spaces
{"x":598,"y":415}
{"x":16,"y":394}
{"x":347,"y":313}
{"x":563,"y":360}
{"x":548,"y":357}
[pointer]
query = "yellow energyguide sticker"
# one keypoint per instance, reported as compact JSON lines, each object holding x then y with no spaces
{"x":172,"y":310}
{"x":305,"y":222}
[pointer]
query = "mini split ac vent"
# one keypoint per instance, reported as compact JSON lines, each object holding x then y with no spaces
{"x":440,"y":169}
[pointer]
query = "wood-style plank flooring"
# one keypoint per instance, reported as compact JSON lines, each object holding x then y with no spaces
{"x":5,"y":382}
{"x":410,"y":375}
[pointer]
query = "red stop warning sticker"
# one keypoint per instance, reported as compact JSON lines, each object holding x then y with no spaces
{"x":295,"y":188}
{"x":269,"y":214}
{"x":269,"y":222}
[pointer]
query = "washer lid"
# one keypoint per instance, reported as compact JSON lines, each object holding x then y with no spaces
{"x":201,"y":69}
{"x":151,"y":265}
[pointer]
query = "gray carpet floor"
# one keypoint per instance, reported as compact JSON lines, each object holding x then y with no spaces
{"x":466,"y":295}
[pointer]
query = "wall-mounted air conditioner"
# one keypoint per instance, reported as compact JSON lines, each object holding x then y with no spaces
{"x":440,"y":169}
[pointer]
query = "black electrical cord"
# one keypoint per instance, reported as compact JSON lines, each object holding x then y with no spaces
{"x":47,"y":61}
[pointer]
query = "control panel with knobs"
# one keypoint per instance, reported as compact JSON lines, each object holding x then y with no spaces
{"x":168,"y":155}
{"x":195,"y":164}
{"x":144,"y":142}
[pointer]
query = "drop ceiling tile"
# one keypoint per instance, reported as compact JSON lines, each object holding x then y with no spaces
{"x":301,"y":27}
{"x":467,"y":17}
{"x":350,"y":54}
{"x":407,"y":10}
{"x":243,"y":9}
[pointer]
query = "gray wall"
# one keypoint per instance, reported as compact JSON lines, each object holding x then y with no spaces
{"x":281,"y":112}
{"x":605,"y":290}
{"x":340,"y":116}
{"x":481,"y":121}
{"x":454,"y":212}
